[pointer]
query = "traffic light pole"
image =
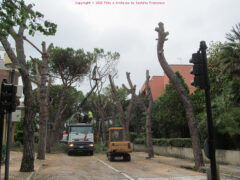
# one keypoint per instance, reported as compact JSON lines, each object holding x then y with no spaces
{"x":9,"y":130}
{"x":211,"y":141}
{"x":1,"y":134}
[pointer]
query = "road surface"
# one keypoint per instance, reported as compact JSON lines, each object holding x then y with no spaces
{"x":97,"y":167}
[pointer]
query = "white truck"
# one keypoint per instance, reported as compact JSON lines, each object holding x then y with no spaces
{"x":79,"y":138}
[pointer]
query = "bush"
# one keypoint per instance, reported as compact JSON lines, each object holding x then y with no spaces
{"x":139,"y":140}
{"x":174,"y":142}
{"x":18,"y":136}
{"x":36,"y":137}
{"x":16,"y":146}
{"x":100,"y":148}
{"x":134,"y":135}
{"x":59,"y":148}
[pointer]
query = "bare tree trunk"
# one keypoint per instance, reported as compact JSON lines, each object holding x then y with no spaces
{"x":58,"y":118}
{"x":148,"y":110}
{"x":182,"y":92}
{"x":27,"y":164}
{"x":99,"y":129}
{"x":43,"y":101}
{"x":42,"y":93}
{"x":103,"y":116}
{"x":148,"y":118}
{"x":124,"y":115}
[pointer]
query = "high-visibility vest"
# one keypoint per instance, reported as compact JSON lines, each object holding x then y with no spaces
{"x":90,"y":115}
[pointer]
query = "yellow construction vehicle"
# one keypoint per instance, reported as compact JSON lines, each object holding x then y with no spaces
{"x":117,"y":147}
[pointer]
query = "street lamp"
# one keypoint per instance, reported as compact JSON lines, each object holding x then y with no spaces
{"x":12,"y":67}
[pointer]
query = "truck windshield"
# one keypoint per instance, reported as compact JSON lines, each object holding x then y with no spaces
{"x":81,"y":130}
{"x":117,"y":135}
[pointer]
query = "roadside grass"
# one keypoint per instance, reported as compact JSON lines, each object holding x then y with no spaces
{"x":100,"y":148}
{"x":59,"y":148}
{"x":16,"y":146}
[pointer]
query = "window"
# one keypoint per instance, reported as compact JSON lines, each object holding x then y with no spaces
{"x":117,"y":135}
{"x":80,"y":130}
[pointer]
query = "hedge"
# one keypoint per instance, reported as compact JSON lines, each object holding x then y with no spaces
{"x":174,"y":142}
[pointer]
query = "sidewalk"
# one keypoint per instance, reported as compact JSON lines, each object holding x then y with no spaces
{"x":14,"y":166}
{"x":227,"y":171}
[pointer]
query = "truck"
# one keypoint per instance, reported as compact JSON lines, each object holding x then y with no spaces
{"x":79,"y":138}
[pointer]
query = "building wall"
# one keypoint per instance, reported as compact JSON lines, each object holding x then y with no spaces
{"x":222,"y":156}
{"x":158,"y":83}
{"x":185,"y":72}
{"x":157,"y":86}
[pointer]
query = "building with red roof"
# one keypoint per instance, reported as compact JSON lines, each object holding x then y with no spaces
{"x":158,"y":83}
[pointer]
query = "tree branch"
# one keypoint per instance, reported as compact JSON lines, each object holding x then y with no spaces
{"x":24,"y":37}
{"x":9,"y":50}
{"x":13,"y":33}
{"x":34,"y":81}
{"x":50,"y":47}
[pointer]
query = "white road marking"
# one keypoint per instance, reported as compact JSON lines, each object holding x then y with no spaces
{"x":124,"y":174}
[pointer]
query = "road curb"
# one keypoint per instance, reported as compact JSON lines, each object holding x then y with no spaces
{"x":31,"y":176}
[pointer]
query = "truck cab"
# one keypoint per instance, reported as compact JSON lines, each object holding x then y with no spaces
{"x":80,"y":138}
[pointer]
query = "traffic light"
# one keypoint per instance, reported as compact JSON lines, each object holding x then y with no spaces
{"x":198,"y":70}
{"x":8,"y":96}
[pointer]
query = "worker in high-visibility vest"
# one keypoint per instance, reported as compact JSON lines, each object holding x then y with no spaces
{"x":90,"y":116}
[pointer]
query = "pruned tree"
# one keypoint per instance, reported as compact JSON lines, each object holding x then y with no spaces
{"x":184,"y":96}
{"x":105,"y":64}
{"x":15,"y":18}
{"x":41,"y":78}
{"x":124,"y":115}
{"x":148,"y":109}
{"x":70,"y":66}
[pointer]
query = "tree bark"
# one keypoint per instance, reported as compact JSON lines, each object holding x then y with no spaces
{"x":103,"y":117}
{"x":43,"y":101}
{"x":183,"y":94}
{"x":53,"y":134}
{"x":124,"y":115}
{"x":148,"y":110}
{"x":27,"y":164}
{"x":42,"y":93}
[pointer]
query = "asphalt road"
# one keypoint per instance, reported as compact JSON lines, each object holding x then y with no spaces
{"x":97,"y":167}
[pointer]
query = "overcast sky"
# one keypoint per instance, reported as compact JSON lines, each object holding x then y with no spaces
{"x":129,"y":30}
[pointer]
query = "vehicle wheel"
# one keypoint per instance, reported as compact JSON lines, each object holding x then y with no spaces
{"x":127,"y":157}
{"x":110,"y":157}
{"x":91,"y":153}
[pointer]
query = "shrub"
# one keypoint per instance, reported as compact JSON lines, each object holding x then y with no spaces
{"x":139,"y":141}
{"x":100,"y":148}
{"x":18,"y":136}
{"x":59,"y":148}
{"x":36,"y":137}
{"x":175,"y":142}
{"x":16,"y":146}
